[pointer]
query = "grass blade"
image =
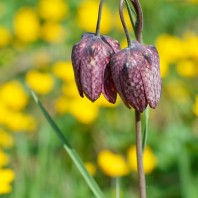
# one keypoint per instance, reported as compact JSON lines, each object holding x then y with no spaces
{"x":117,"y":180}
{"x":145,"y":128}
{"x":132,"y":15}
{"x":72,"y":153}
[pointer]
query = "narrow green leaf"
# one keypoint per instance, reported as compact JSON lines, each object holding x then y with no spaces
{"x":71,"y":151}
{"x":145,"y":127}
{"x":117,"y":180}
{"x":132,"y":15}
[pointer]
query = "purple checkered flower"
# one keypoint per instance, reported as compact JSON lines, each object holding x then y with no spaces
{"x":136,"y":74}
{"x":90,"y":60}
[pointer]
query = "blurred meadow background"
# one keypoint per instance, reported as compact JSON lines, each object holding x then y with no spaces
{"x":36,"y":38}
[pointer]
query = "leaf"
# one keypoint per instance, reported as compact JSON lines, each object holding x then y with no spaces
{"x":132,"y":16}
{"x":145,"y":127}
{"x":117,"y":181}
{"x":71,"y":151}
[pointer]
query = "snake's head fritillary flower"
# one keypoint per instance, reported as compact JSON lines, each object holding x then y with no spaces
{"x":90,"y":60}
{"x":136,"y":74}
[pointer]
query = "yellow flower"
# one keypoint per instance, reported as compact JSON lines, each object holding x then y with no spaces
{"x":190,"y":44}
{"x":187,"y":68}
{"x":195,"y":106}
{"x":102,"y":102}
{"x":5,"y":37}
{"x":193,"y":1}
{"x":70,"y":90}
{"x":6,"y":140}
{"x":62,"y":105}
{"x":83,"y":110}
{"x":112,"y":164}
{"x":170,"y":48}
{"x":52,"y":32}
{"x":41,"y":83}
{"x":63,"y":70}
{"x":54,"y":10}
{"x":13,"y":95}
{"x":6,"y":177}
{"x":91,"y":168}
{"x":26,"y":25}
{"x":18,"y":122}
{"x":178,"y":92}
{"x":164,"y":68}
{"x":87,"y":17}
{"x":4,"y":159}
{"x":4,"y":113}
{"x":149,"y":159}
{"x":123,"y":43}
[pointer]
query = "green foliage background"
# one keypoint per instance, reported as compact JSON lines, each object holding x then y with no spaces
{"x":41,"y":166}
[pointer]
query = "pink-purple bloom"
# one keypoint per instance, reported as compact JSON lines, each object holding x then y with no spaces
{"x":136,"y":74}
{"x":90,"y":60}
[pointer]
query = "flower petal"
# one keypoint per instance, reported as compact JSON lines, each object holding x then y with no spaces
{"x":109,"y":89}
{"x":117,"y":62}
{"x":95,"y":57}
{"x":151,"y":76}
{"x":131,"y":81}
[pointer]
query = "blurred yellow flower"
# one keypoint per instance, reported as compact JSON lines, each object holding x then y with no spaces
{"x":20,"y":122}
{"x":149,"y":159}
{"x":5,"y":36}
{"x":178,"y":92}
{"x":52,"y":32}
{"x":102,"y":102}
{"x":4,"y":159}
{"x":13,"y":96}
{"x":170,"y":48}
{"x":26,"y":25}
{"x":164,"y":67}
{"x":190,"y":43}
{"x":123,"y":43}
{"x":41,"y":83}
{"x":54,"y":10}
{"x":4,"y":113}
{"x":70,"y":90}
{"x":6,"y":140}
{"x":63,"y":70}
{"x":187,"y":68}
{"x":83,"y":110}
{"x":6,"y":177}
{"x":91,"y":168}
{"x":112,"y":164}
{"x":193,"y":1}
{"x":87,"y":15}
{"x":195,"y":106}
{"x":62,"y":105}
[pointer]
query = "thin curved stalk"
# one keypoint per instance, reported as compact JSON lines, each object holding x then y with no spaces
{"x":99,"y":18}
{"x":123,"y":22}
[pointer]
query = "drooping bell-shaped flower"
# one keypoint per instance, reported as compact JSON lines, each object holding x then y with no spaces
{"x":90,"y":60}
{"x":136,"y":74}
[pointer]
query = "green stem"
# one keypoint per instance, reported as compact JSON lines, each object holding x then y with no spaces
{"x":99,"y":18}
{"x":117,"y":180}
{"x":141,"y":176}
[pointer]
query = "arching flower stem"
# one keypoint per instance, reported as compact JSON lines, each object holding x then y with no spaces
{"x":99,"y":18}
